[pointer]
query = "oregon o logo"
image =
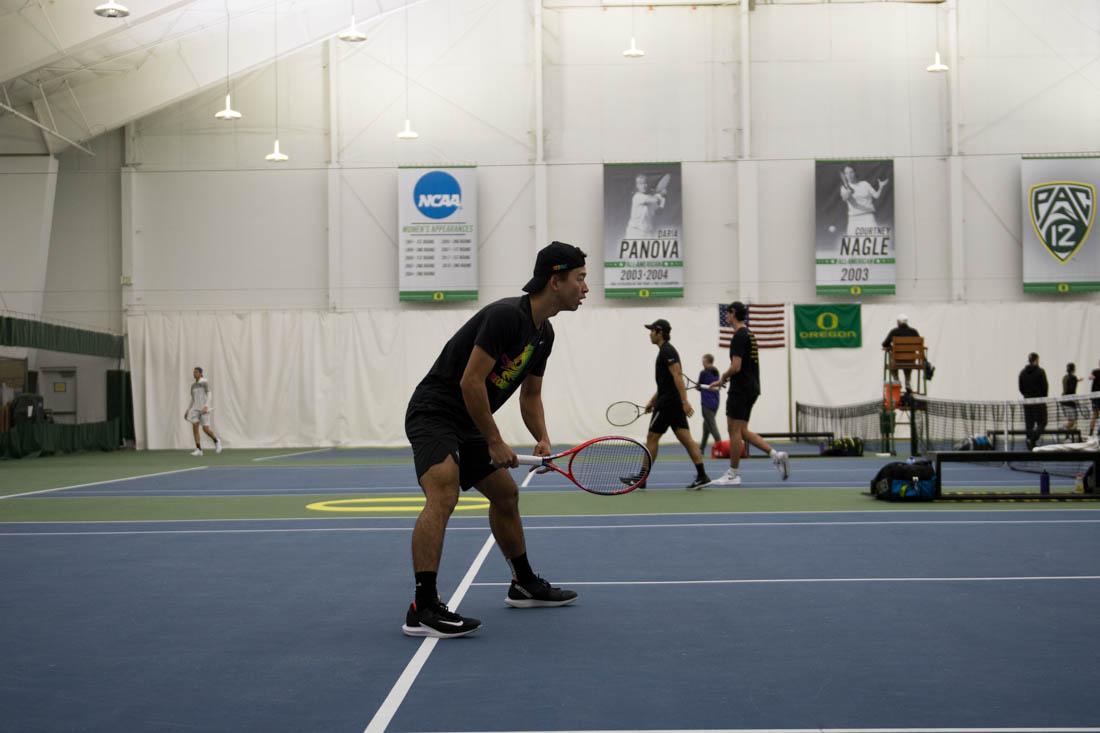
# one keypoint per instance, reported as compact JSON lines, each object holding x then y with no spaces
{"x":643,"y":293}
{"x":437,"y":195}
{"x":856,"y":290}
{"x":828,"y":318}
{"x":437,"y":296}
{"x":1063,"y":287}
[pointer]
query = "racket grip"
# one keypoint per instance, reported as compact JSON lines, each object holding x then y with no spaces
{"x":531,"y":460}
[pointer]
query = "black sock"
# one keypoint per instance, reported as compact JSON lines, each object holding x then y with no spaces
{"x":521,"y":569}
{"x":426,"y":593}
{"x":700,"y":470}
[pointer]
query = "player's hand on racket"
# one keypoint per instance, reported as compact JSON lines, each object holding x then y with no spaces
{"x":542,"y":448}
{"x":501,"y":455}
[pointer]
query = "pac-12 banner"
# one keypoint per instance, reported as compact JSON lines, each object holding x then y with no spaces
{"x":854,"y":239}
{"x":643,"y":252}
{"x":437,"y":216}
{"x":1060,"y":248}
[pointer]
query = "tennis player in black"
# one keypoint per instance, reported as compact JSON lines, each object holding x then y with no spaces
{"x":669,"y":404}
{"x":456,"y":443}
{"x":743,"y":376}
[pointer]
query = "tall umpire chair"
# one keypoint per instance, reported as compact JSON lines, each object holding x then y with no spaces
{"x":906,"y":353}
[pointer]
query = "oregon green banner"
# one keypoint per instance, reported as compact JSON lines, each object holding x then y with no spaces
{"x":828,"y":326}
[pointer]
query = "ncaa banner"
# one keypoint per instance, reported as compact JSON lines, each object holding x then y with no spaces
{"x":642,"y":226}
{"x":1060,"y":248}
{"x":854,"y":239}
{"x":828,"y":326}
{"x":437,"y":215}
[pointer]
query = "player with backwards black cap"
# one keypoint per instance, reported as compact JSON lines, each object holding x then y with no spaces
{"x":456,"y":443}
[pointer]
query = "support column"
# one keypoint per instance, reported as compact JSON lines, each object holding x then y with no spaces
{"x":748,"y":231}
{"x":955,"y":161}
{"x":541,"y":195}
{"x":335,"y":182}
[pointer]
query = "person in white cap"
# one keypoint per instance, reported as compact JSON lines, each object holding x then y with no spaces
{"x":902,"y":329}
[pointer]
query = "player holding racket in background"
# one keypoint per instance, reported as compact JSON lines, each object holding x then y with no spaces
{"x":743,"y":376}
{"x":456,"y":443}
{"x":669,"y":405}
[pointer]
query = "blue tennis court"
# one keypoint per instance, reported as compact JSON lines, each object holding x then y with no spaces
{"x":971,"y":620}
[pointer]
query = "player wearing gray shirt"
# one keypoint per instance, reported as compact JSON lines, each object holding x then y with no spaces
{"x":199,"y":412}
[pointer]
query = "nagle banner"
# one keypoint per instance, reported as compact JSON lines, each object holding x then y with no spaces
{"x":828,"y":326}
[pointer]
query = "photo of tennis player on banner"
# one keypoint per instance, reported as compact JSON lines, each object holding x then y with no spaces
{"x":854,"y":238}
{"x":642,"y":220}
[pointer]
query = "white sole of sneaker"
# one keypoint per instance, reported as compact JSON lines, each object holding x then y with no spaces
{"x":532,"y":603}
{"x":423,"y":631}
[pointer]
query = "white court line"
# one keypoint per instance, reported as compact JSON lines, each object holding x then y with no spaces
{"x":1045,"y":729}
{"x":389,"y":706}
{"x":945,"y":509}
{"x":775,"y":581}
{"x":110,"y":481}
{"x":288,"y":455}
{"x":529,"y":528}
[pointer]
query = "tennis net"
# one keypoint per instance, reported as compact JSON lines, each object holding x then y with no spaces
{"x":864,"y":420}
{"x":1017,"y":425}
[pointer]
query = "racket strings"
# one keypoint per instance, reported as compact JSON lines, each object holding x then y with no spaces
{"x":622,"y":413}
{"x":610,"y":466}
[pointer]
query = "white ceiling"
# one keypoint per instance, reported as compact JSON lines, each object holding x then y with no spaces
{"x":84,"y":75}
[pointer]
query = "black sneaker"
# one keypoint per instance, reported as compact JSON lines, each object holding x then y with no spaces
{"x":438,"y":621}
{"x":629,"y":480}
{"x":537,"y":594}
{"x":698,"y":483}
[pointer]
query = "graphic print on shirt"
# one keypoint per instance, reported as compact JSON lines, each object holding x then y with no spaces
{"x":509,"y":370}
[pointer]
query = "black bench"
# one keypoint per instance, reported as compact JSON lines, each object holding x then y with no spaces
{"x":1005,"y":456}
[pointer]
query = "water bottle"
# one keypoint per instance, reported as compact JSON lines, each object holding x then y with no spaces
{"x":1044,"y":483}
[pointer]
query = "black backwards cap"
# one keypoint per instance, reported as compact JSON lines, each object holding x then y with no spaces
{"x":556,"y":257}
{"x":661,"y":325}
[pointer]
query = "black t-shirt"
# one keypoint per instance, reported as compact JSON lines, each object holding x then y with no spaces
{"x":506,"y":331}
{"x":903,"y":330}
{"x":1095,"y":381}
{"x":747,"y":380}
{"x":1069,"y":383}
{"x":668,"y":394}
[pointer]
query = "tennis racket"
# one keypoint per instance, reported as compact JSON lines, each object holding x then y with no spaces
{"x":621,"y":414}
{"x":606,"y":466}
{"x":662,"y":184}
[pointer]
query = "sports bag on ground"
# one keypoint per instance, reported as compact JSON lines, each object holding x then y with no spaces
{"x":900,"y":481}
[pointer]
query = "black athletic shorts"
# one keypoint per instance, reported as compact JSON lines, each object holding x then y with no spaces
{"x":436,"y":434}
{"x":667,"y":417}
{"x":739,"y":405}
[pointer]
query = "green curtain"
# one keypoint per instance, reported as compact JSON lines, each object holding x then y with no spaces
{"x":32,"y":440}
{"x":39,"y":335}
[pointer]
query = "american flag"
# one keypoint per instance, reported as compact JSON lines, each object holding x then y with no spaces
{"x":766,"y":321}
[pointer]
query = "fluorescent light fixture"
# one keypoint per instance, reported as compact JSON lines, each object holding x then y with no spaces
{"x":351,"y":34}
{"x":937,"y":66}
{"x":408,"y":133}
{"x":228,"y":113}
{"x":111,"y":9}
{"x":633,"y":52}
{"x":275,"y":156}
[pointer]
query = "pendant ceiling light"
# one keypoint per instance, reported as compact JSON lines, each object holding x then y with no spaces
{"x":111,"y":9}
{"x":351,"y":34}
{"x":228,"y":113}
{"x":937,"y":67}
{"x":633,"y":52}
{"x":276,"y":155}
